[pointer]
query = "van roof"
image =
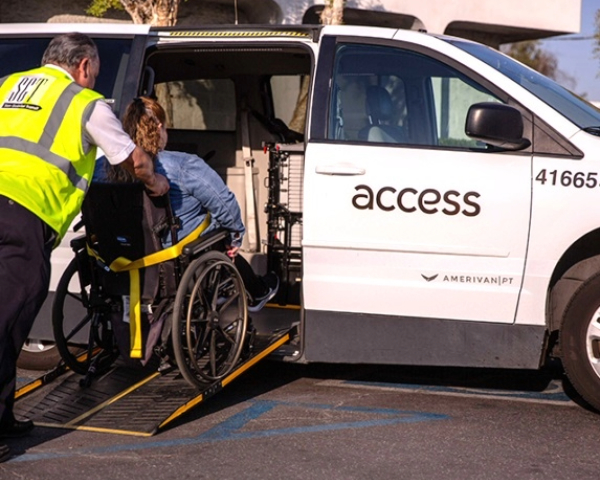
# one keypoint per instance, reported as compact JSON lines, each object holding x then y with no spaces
{"x":39,"y":29}
{"x":205,"y":31}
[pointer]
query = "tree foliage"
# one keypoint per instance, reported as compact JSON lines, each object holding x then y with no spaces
{"x":154,"y":12}
{"x":531,"y":54}
{"x":99,"y":7}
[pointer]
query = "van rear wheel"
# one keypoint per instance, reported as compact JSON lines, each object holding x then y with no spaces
{"x":580,"y":341}
{"x":38,"y":355}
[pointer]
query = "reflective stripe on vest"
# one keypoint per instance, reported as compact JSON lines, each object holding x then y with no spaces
{"x":64,"y":164}
{"x":44,"y":163}
{"x":42,"y":148}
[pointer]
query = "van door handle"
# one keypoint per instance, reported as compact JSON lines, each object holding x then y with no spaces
{"x":339,"y":169}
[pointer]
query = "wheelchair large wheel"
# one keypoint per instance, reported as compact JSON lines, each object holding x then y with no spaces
{"x":82,"y":333}
{"x":210,"y":319}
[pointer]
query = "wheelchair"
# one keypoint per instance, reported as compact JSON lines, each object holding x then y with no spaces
{"x":123,"y":297}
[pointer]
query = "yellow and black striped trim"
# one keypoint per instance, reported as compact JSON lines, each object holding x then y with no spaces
{"x":203,"y":395}
{"x":48,"y":377}
{"x":228,"y":379}
{"x":241,"y":33}
{"x":84,"y":428}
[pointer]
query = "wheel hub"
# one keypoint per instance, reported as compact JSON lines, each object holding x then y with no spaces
{"x":592,"y":341}
{"x":213,"y":318}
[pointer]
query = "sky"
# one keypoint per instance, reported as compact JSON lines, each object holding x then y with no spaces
{"x":575,"y":55}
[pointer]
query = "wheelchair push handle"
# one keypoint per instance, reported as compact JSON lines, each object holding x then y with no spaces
{"x":78,"y":225}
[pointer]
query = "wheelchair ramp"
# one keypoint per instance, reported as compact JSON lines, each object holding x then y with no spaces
{"x":125,"y":400}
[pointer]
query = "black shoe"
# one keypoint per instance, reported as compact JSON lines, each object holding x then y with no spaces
{"x":4,"y":453}
{"x":17,"y":429}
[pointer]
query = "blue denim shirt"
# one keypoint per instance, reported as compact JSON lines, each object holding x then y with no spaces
{"x":195,"y":190}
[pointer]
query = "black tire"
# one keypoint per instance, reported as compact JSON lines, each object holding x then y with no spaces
{"x":38,"y":355}
{"x":89,"y":333}
{"x":210,"y":319}
{"x":580,"y":341}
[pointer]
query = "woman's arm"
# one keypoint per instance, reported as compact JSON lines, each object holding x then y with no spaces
{"x":212,"y":193}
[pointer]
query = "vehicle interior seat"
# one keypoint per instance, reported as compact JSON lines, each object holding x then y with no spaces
{"x":380,"y":110}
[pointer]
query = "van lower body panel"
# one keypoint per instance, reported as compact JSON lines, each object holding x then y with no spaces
{"x":341,"y":337}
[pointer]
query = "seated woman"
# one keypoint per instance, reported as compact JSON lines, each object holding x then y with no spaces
{"x":196,"y":189}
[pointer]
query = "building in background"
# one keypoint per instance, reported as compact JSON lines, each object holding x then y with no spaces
{"x":492,"y":22}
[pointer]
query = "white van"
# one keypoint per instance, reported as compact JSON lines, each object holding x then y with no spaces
{"x":425,"y":199}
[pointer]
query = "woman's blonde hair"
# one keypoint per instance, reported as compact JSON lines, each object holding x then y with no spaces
{"x":141,"y":121}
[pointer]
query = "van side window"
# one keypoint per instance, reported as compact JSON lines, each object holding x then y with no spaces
{"x":285,"y":92}
{"x":19,"y":54}
{"x":394,"y":96}
{"x":286,"y":101}
{"x":202,"y":104}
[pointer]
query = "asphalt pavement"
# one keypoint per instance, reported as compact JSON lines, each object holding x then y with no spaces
{"x":284,"y":421}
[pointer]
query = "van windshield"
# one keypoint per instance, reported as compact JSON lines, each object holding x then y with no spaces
{"x":581,"y":113}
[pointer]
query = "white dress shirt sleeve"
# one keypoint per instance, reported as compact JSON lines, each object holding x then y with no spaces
{"x":104,"y":130}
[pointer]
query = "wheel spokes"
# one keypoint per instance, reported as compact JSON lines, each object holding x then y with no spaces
{"x":75,"y":322}
{"x":78,"y":327}
{"x":225,"y":331}
{"x":211,"y":318}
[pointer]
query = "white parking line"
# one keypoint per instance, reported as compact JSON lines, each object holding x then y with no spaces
{"x":552,"y":395}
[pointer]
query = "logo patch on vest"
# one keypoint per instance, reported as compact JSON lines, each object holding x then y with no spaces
{"x":27,"y":92}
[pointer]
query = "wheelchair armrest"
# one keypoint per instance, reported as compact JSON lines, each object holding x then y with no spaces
{"x":204,"y":242}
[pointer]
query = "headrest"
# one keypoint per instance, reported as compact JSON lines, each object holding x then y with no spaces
{"x":379,"y":104}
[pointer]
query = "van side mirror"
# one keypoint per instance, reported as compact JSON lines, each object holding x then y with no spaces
{"x":497,"y":124}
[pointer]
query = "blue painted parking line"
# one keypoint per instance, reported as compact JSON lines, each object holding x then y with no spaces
{"x":230,"y":429}
{"x":233,"y":428}
{"x":552,"y":394}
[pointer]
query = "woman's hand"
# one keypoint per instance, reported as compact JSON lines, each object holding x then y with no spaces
{"x":232,"y":251}
{"x":159,"y":187}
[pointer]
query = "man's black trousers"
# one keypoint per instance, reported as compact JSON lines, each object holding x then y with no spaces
{"x":25,"y":248}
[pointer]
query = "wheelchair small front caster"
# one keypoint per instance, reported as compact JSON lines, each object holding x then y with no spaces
{"x":89,"y":376}
{"x":248,"y":348}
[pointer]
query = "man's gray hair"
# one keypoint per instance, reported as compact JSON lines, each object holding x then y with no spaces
{"x":69,"y":49}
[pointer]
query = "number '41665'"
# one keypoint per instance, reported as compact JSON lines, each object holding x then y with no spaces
{"x":567,"y":178}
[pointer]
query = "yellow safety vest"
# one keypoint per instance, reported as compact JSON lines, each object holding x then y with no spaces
{"x":43,"y":165}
